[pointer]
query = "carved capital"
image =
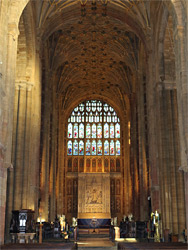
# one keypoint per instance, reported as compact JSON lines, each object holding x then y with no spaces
{"x":24,"y":85}
{"x":13,"y":31}
{"x":183,"y":169}
{"x":167,"y":85}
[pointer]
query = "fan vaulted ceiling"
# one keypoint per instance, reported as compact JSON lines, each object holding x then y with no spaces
{"x":93,"y":46}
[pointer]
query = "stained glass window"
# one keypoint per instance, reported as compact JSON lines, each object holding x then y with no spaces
{"x":81,"y":148}
{"x":69,"y":148}
{"x":75,"y":147}
{"x":111,"y":130}
{"x":94,"y":131}
{"x":93,"y":147}
{"x":117,"y":130}
{"x":99,"y":124}
{"x":117,"y":147}
{"x":112,"y":147}
{"x":70,"y":130}
{"x":88,"y":147}
{"x":106,"y":147}
{"x":106,"y":130}
{"x":79,"y":117}
{"x":81,"y":130}
{"x":75,"y":130}
{"x":99,"y":131}
{"x":99,"y":147}
{"x":88,"y":131}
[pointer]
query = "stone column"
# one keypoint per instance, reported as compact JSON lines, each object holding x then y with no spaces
{"x":134,"y":168}
{"x":45,"y":164}
{"x":61,"y":161}
{"x":142,"y":148}
{"x":179,"y":174}
{"x":21,"y":146}
{"x":127,"y":190}
{"x":152,"y":128}
{"x":182,"y":100}
{"x":7,"y":89}
{"x":18,"y":191}
{"x":169,"y":155}
{"x":53,"y":164}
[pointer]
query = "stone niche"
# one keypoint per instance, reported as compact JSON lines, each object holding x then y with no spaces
{"x":94,"y":195}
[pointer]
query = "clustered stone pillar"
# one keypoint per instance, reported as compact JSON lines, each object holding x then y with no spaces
{"x":61,"y":163}
{"x":20,"y":179}
{"x":171,"y":181}
{"x":182,"y":93}
{"x":142,"y":145}
{"x":134,"y":159}
{"x":7,"y":101}
{"x":45,"y":163}
{"x":126,"y":173}
{"x":49,"y":152}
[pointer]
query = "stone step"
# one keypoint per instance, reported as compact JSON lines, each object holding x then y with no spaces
{"x":96,"y":243}
{"x":97,"y":248}
{"x":96,"y":236}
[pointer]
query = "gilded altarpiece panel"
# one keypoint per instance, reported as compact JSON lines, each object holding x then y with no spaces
{"x":94,"y":195}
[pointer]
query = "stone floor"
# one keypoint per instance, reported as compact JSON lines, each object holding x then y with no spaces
{"x":153,"y":246}
{"x":97,"y":244}
{"x":32,"y":246}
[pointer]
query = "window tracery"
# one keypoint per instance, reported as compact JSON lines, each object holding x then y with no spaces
{"x":93,"y":130}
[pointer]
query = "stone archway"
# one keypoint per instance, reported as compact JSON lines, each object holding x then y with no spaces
{"x":9,"y":34}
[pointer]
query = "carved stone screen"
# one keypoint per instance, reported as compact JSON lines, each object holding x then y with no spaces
{"x":94,"y":195}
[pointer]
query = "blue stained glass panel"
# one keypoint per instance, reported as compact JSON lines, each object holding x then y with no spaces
{"x":81,"y":148}
{"x":69,"y":148}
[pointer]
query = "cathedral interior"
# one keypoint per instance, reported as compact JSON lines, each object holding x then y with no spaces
{"x":94,"y":110}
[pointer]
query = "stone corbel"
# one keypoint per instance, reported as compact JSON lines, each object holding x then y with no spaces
{"x":167,"y":85}
{"x":183,"y":169}
{"x":8,"y":165}
{"x":24,"y":85}
{"x":13,"y":31}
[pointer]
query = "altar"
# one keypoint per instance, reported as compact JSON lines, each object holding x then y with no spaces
{"x":94,"y":200}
